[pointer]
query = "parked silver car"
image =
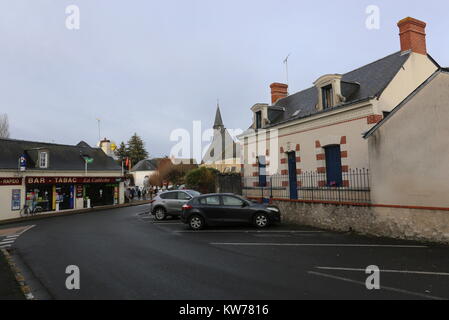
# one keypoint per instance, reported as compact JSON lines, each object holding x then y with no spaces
{"x":170,"y":203}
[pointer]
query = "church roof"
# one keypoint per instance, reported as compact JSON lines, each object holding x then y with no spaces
{"x":218,"y":120}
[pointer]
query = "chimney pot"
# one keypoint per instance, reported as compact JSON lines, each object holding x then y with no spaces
{"x":412,"y":33}
{"x":278,"y":91}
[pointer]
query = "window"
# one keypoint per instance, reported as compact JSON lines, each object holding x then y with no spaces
{"x":169,"y":196}
{"x":211,"y":201}
{"x":43,"y":160}
{"x":183,"y":196}
{"x":259,"y":120}
{"x":327,"y":96}
{"x":193,"y":193}
{"x":232,"y":201}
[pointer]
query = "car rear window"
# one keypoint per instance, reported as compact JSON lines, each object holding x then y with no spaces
{"x":232,"y":201}
{"x":184,"y":196}
{"x":193,"y":193}
{"x":211,"y":201}
{"x":169,"y":195}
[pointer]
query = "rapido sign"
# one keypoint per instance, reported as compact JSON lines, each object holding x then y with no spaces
{"x":10,"y":181}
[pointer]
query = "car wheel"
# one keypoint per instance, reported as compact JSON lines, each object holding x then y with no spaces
{"x":160,"y":214}
{"x":261,"y":220}
{"x":196,"y":222}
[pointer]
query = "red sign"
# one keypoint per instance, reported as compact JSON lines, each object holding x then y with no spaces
{"x":71,"y":180}
{"x":10,"y":181}
{"x":79,"y":191}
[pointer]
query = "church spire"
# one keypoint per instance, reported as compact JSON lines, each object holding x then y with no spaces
{"x":218,"y":124}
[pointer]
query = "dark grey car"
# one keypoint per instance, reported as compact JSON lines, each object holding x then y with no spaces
{"x":170,"y":203}
{"x":228,"y":209}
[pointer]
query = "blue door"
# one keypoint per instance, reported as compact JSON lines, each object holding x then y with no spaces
{"x":262,"y":172}
{"x":333,"y":166}
{"x":293,"y":182}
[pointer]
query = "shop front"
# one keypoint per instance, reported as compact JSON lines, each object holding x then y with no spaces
{"x":11,"y":195}
{"x":65,"y":193}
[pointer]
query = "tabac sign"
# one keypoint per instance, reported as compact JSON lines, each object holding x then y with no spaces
{"x":10,"y":181}
{"x":71,"y":180}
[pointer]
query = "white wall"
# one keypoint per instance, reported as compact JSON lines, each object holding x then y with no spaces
{"x":409,"y":153}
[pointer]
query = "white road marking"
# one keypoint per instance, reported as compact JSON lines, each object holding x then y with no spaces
{"x":314,"y":245}
{"x":420,"y":295}
{"x":9,"y":240}
{"x":248,"y":231}
{"x":388,"y":271}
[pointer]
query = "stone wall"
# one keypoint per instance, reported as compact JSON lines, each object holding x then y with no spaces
{"x":399,"y":223}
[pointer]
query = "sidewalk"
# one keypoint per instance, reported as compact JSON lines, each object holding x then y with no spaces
{"x":73,"y":212}
{"x":9,"y":288}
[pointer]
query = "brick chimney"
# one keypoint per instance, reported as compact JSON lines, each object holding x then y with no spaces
{"x":278,"y":91}
{"x":413,"y":35}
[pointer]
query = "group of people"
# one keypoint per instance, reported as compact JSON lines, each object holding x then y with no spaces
{"x":138,"y":193}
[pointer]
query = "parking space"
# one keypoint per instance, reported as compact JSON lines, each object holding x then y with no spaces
{"x":409,"y":270}
{"x":282,"y":262}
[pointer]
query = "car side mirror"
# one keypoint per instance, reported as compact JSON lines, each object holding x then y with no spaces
{"x":244,"y":205}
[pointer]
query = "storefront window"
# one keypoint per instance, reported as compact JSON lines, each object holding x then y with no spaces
{"x":65,"y":196}
{"x":40,"y":196}
{"x":101,"y":194}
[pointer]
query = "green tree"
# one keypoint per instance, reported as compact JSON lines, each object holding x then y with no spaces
{"x":136,"y":149}
{"x":201,"y":179}
{"x":121,"y":152}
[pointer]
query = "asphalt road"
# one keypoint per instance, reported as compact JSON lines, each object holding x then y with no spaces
{"x":124,"y":255}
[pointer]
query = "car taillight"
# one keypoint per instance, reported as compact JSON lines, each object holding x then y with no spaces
{"x":186,"y":207}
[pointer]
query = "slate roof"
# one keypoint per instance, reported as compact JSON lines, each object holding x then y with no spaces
{"x":153,"y":164}
{"x":358,"y":85}
{"x":218,"y":123}
{"x":61,"y":157}
{"x":146,"y":165}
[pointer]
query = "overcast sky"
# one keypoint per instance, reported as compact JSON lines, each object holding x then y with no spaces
{"x":154,"y":66}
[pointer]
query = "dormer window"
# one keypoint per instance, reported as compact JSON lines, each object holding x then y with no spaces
{"x":329,"y":91}
{"x":43,"y":159}
{"x":259,"y":120}
{"x":260,"y":115}
{"x":327,"y":96}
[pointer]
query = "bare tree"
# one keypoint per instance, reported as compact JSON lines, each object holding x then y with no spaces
{"x":4,"y":126}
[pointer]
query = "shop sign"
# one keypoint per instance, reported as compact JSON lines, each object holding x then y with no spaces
{"x":10,"y":181}
{"x":79,"y":191}
{"x":16,"y":200}
{"x":71,"y":180}
{"x":23,"y":163}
